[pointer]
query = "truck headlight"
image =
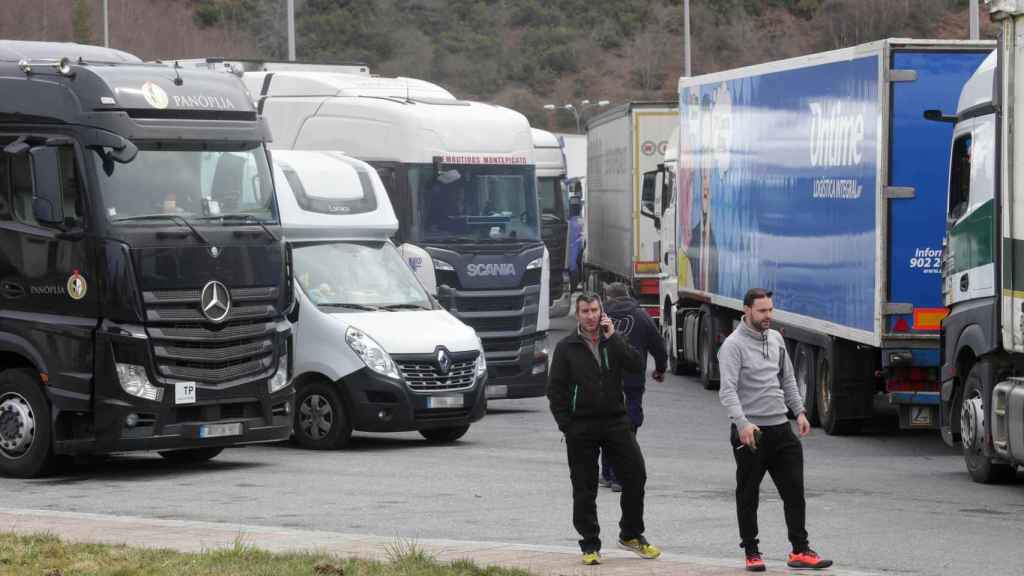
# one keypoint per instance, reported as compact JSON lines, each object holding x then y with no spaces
{"x":481,"y":365}
{"x":134,"y":381}
{"x":280,"y":378}
{"x":371,"y":353}
{"x":442,"y":265}
{"x":536,"y":263}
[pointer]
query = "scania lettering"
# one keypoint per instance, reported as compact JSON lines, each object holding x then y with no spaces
{"x":816,"y":178}
{"x":144,"y":280}
{"x":491,"y":270}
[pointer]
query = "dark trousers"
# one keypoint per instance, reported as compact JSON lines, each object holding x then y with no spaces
{"x":614,"y":436}
{"x":780,"y":454}
{"x":635,"y":409}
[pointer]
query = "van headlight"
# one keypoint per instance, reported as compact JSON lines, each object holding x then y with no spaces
{"x":536,"y":263}
{"x":280,"y":378}
{"x":134,"y":381}
{"x":371,"y":353}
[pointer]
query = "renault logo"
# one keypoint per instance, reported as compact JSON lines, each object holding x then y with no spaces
{"x":215,"y":301}
{"x":443,"y":361}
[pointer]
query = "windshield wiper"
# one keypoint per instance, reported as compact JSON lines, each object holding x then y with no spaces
{"x":240,"y":216}
{"x":349,"y":305}
{"x":404,"y":307}
{"x":180,"y":221}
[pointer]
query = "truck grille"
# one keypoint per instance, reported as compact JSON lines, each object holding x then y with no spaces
{"x":189,"y":347}
{"x":426,"y":377}
{"x":492,"y":304}
{"x":506,"y":324}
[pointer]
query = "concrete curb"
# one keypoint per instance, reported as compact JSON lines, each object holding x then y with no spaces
{"x":195,"y":536}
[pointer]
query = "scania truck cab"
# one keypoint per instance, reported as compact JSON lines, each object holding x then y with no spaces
{"x":554,"y":210}
{"x":143,"y":281}
{"x":462,"y":179}
{"x":373,"y":351}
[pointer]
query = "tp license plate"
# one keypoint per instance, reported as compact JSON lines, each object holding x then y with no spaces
{"x":218,"y":430}
{"x":444,"y":402}
{"x":185,"y":393}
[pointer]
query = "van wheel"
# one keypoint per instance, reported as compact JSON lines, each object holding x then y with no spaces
{"x":192,"y":456}
{"x":321,"y":422}
{"x":26,"y":446}
{"x":444,"y":435}
{"x":707,"y":347}
{"x":803,"y":368}
{"x":972,"y":433}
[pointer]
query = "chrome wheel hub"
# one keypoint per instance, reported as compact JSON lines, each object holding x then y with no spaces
{"x":17,"y":425}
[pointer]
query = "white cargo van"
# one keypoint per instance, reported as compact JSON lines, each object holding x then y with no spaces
{"x":374,"y":351}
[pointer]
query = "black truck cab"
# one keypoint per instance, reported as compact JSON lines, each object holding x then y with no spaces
{"x":143,"y":281}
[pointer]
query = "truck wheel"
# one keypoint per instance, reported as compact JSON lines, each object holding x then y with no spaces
{"x":26,"y":447}
{"x":803,"y":368}
{"x":707,"y":350}
{"x":445,"y":435}
{"x":191,"y":456}
{"x":825,"y":399}
{"x":972,"y":432}
{"x":321,"y":422}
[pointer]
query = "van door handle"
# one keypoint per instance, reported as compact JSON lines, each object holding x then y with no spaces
{"x":965,"y":282}
{"x":11,"y":290}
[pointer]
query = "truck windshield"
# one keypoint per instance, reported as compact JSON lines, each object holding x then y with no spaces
{"x":326,"y":274}
{"x":187,"y":183}
{"x":475,"y":203}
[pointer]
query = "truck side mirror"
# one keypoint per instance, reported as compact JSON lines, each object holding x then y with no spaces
{"x":47,"y":206}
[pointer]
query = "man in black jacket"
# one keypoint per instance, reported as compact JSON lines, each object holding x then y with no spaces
{"x":585,"y":392}
{"x":633,"y":322}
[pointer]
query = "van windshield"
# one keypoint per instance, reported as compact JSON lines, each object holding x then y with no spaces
{"x":358,"y":276}
{"x":475,"y":203}
{"x":185,"y":181}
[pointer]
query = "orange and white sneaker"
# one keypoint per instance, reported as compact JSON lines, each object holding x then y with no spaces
{"x":807,"y":558}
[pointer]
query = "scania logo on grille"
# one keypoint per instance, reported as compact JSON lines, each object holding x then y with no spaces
{"x":444,"y":362}
{"x":215,"y":301}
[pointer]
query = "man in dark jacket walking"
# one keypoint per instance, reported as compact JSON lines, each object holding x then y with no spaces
{"x":585,"y":392}
{"x":633,"y":322}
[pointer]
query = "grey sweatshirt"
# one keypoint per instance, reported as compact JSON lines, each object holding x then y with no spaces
{"x":748,"y":362}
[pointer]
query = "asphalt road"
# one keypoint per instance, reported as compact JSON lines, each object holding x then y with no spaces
{"x":880,"y":502}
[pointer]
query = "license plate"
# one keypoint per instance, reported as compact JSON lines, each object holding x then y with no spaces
{"x":218,"y":430}
{"x":444,"y":402}
{"x":499,"y":391}
{"x":185,"y":393}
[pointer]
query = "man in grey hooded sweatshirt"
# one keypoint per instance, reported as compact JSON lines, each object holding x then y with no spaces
{"x":757,"y":386}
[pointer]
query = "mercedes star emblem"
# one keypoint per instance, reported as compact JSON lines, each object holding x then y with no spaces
{"x":215,"y":301}
{"x":443,"y":361}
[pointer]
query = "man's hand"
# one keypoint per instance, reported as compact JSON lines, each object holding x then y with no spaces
{"x":747,"y":435}
{"x":658,"y":376}
{"x":803,"y":424}
{"x":607,"y":326}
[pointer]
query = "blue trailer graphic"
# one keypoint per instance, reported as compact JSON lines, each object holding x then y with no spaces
{"x":819,"y":179}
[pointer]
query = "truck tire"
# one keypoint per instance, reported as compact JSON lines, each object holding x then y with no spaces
{"x":321,"y":420}
{"x":804,"y":370}
{"x":445,"y":435}
{"x":825,"y":399}
{"x":972,"y":432}
{"x":26,"y":443}
{"x":707,"y":352}
{"x":193,"y":455}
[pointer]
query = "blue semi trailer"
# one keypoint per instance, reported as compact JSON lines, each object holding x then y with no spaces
{"x":818,"y":178}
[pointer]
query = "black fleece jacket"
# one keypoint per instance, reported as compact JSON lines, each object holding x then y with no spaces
{"x":581,"y":388}
{"x":633,"y":322}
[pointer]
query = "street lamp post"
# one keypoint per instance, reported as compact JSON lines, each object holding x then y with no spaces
{"x":577,"y":111}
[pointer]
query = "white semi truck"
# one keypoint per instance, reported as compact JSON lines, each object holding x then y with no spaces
{"x":622,"y":238}
{"x":554,"y":209}
{"x":462,"y":179}
{"x":982,"y":393}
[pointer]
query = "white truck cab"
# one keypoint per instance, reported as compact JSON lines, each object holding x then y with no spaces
{"x":374,"y":351}
{"x":554,"y":208}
